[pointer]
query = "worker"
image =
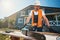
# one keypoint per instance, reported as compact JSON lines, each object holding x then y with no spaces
{"x":37,"y":15}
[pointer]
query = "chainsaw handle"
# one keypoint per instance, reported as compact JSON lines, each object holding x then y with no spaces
{"x":23,"y":26}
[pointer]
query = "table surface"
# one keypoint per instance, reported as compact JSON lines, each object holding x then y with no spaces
{"x":20,"y":34}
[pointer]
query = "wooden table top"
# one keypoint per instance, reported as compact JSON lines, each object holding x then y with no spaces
{"x":48,"y":33}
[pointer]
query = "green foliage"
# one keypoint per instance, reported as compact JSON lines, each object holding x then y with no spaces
{"x":11,"y":22}
{"x":0,"y":23}
{"x":4,"y":37}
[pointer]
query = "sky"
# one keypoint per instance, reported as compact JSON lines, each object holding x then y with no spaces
{"x":9,"y":7}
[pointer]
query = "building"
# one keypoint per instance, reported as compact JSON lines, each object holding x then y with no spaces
{"x":52,"y":13}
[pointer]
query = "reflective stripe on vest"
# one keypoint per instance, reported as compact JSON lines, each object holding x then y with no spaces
{"x":39,"y":24}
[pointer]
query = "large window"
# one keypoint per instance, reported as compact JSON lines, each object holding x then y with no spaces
{"x":22,"y":13}
{"x":51,"y":17}
{"x":20,"y":20}
{"x":52,"y":20}
{"x":29,"y":11}
{"x":58,"y":17}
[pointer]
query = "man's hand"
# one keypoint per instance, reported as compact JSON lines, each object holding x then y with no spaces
{"x":27,"y":20}
{"x":25,"y":23}
{"x":48,"y":25}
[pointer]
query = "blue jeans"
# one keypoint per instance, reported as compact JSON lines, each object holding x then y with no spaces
{"x":35,"y":28}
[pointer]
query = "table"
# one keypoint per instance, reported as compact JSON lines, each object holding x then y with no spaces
{"x":17,"y":34}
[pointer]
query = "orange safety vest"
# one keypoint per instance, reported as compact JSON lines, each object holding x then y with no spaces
{"x":39,"y":24}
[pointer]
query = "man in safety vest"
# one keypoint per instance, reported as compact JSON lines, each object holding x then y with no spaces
{"x":37,"y":15}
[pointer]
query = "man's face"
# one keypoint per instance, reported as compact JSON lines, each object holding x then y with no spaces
{"x":36,"y":7}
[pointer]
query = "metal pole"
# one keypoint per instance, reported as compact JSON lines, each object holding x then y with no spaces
{"x":56,"y":19}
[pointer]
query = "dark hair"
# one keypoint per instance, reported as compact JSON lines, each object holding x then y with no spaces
{"x":38,"y":36}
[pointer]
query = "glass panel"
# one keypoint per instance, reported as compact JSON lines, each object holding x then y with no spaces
{"x":48,"y":11}
{"x":58,"y":17}
{"x":51,"y":17}
{"x":20,"y":20}
{"x":29,"y":11}
{"x":22,"y":13}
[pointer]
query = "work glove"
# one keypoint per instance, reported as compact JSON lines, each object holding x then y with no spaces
{"x":30,"y":28}
{"x":50,"y":29}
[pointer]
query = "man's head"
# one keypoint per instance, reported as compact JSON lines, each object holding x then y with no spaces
{"x":36,"y":7}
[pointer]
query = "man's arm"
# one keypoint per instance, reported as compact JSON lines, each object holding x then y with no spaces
{"x":46,"y":21}
{"x":28,"y":19}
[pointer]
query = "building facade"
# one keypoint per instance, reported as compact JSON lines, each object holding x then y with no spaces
{"x":52,"y":13}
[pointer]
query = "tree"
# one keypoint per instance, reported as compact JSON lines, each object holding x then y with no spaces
{"x":0,"y":23}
